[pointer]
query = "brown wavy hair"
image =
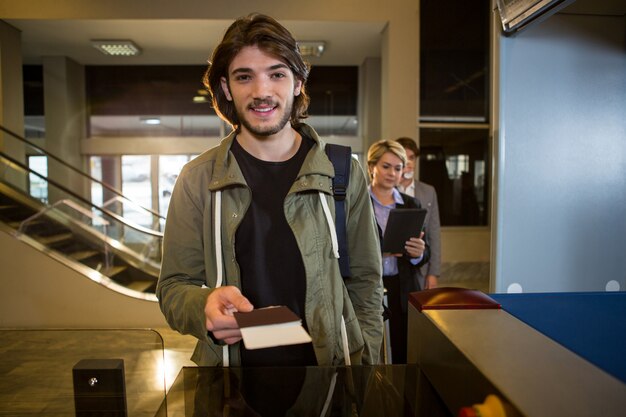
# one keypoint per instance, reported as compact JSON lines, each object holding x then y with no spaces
{"x":409,"y":143}
{"x":271,"y":37}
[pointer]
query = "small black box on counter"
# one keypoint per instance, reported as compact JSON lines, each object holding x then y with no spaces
{"x":99,"y":388}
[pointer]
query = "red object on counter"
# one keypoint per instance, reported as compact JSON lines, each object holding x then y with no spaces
{"x":492,"y":407}
{"x":468,"y":412}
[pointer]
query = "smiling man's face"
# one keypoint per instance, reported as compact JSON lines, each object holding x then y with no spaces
{"x":262,"y":88}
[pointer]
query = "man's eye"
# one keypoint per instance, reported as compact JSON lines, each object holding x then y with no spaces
{"x":242,"y":78}
{"x":278,"y":75}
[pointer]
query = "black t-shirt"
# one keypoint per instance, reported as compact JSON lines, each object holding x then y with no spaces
{"x":272,"y":271}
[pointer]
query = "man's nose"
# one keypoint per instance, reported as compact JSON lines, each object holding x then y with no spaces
{"x":261,"y":88}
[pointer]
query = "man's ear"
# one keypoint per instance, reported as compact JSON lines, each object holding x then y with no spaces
{"x":225,"y":89}
{"x":298,"y":88}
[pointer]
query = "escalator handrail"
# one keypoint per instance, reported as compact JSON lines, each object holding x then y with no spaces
{"x":109,"y":213}
{"x":73,"y":168}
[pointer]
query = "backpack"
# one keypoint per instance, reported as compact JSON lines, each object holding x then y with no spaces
{"x":341,"y":156}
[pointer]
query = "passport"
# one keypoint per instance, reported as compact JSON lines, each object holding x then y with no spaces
{"x":270,"y":327}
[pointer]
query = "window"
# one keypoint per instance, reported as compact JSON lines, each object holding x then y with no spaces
{"x":169,"y":168}
{"x":136,"y":185}
{"x":95,"y":169}
{"x":454,"y":108}
{"x":38,"y":187}
{"x":147,"y":180}
{"x":455,"y":162}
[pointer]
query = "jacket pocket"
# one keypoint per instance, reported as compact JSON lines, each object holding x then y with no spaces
{"x":207,"y":355}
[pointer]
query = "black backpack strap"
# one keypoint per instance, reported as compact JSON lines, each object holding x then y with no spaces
{"x":340,"y":156}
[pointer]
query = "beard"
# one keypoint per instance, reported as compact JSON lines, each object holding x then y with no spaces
{"x":266,"y":130}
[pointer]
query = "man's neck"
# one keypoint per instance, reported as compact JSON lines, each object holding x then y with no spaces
{"x":278,"y":147}
{"x":406,"y":182}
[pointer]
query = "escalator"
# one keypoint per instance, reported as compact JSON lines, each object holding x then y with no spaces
{"x":64,"y":223}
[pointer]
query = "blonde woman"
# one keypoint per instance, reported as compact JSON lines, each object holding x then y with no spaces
{"x":427,"y":196}
{"x":386,"y":160}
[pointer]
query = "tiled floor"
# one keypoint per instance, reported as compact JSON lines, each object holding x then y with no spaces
{"x":472,"y":275}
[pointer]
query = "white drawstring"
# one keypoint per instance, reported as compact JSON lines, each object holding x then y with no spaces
{"x":218,"y":259}
{"x":219,"y":271}
{"x":333,"y":238}
{"x":329,"y":396}
{"x":344,"y":341}
{"x":331,"y":225}
{"x":218,"y":238}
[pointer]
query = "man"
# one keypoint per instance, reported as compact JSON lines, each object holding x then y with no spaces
{"x":250,"y":221}
{"x":427,"y":195}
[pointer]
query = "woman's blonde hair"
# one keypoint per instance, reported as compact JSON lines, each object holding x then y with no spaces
{"x":378,"y":149}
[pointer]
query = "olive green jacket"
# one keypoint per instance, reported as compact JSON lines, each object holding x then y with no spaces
{"x":188,"y":271}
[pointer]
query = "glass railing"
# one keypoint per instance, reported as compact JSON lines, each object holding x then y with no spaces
{"x":65,"y":222}
{"x":83,"y":372}
{"x":67,"y":174}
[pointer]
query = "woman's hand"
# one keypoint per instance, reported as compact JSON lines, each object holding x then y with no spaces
{"x":415,"y":246}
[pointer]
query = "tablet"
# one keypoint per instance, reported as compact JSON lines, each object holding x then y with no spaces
{"x":402,"y":225}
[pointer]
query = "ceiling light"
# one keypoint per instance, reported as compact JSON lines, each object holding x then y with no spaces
{"x":200,"y":99}
{"x":150,"y":120}
{"x":312,"y":48}
{"x":116,"y":47}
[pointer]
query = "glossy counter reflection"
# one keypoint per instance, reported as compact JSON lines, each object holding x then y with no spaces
{"x":389,"y":390}
{"x":36,"y":369}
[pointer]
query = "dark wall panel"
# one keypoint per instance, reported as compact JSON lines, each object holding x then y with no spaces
{"x":169,"y":90}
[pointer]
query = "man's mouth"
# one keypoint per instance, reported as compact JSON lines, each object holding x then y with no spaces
{"x":263,"y":106}
{"x":263,"y":109}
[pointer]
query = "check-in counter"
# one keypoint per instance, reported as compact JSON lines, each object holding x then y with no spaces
{"x":472,"y":347}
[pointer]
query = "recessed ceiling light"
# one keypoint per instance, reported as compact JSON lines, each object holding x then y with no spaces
{"x":150,"y":120}
{"x":116,"y":47}
{"x":312,"y":48}
{"x":200,"y":99}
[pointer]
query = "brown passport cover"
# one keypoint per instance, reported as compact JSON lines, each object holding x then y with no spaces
{"x":452,"y":298}
{"x":265,"y":316}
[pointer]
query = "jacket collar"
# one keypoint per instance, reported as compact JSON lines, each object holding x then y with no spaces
{"x":315,"y":174}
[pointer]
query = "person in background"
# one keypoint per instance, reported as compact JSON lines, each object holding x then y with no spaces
{"x":385,"y":161}
{"x":249,"y":223}
{"x":427,"y":195}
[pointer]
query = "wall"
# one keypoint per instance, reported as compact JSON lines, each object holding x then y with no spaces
{"x":392,"y":106}
{"x":399,"y":40}
{"x":465,"y":244}
{"x":11,"y":116}
{"x":561,"y":156}
{"x":37,"y":291}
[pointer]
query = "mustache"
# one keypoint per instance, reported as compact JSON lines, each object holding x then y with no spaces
{"x":263,"y":102}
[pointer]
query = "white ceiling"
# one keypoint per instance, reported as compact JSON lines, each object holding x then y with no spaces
{"x":184,"y":41}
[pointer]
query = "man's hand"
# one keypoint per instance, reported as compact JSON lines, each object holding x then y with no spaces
{"x":219,"y":309}
{"x":431,"y":282}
